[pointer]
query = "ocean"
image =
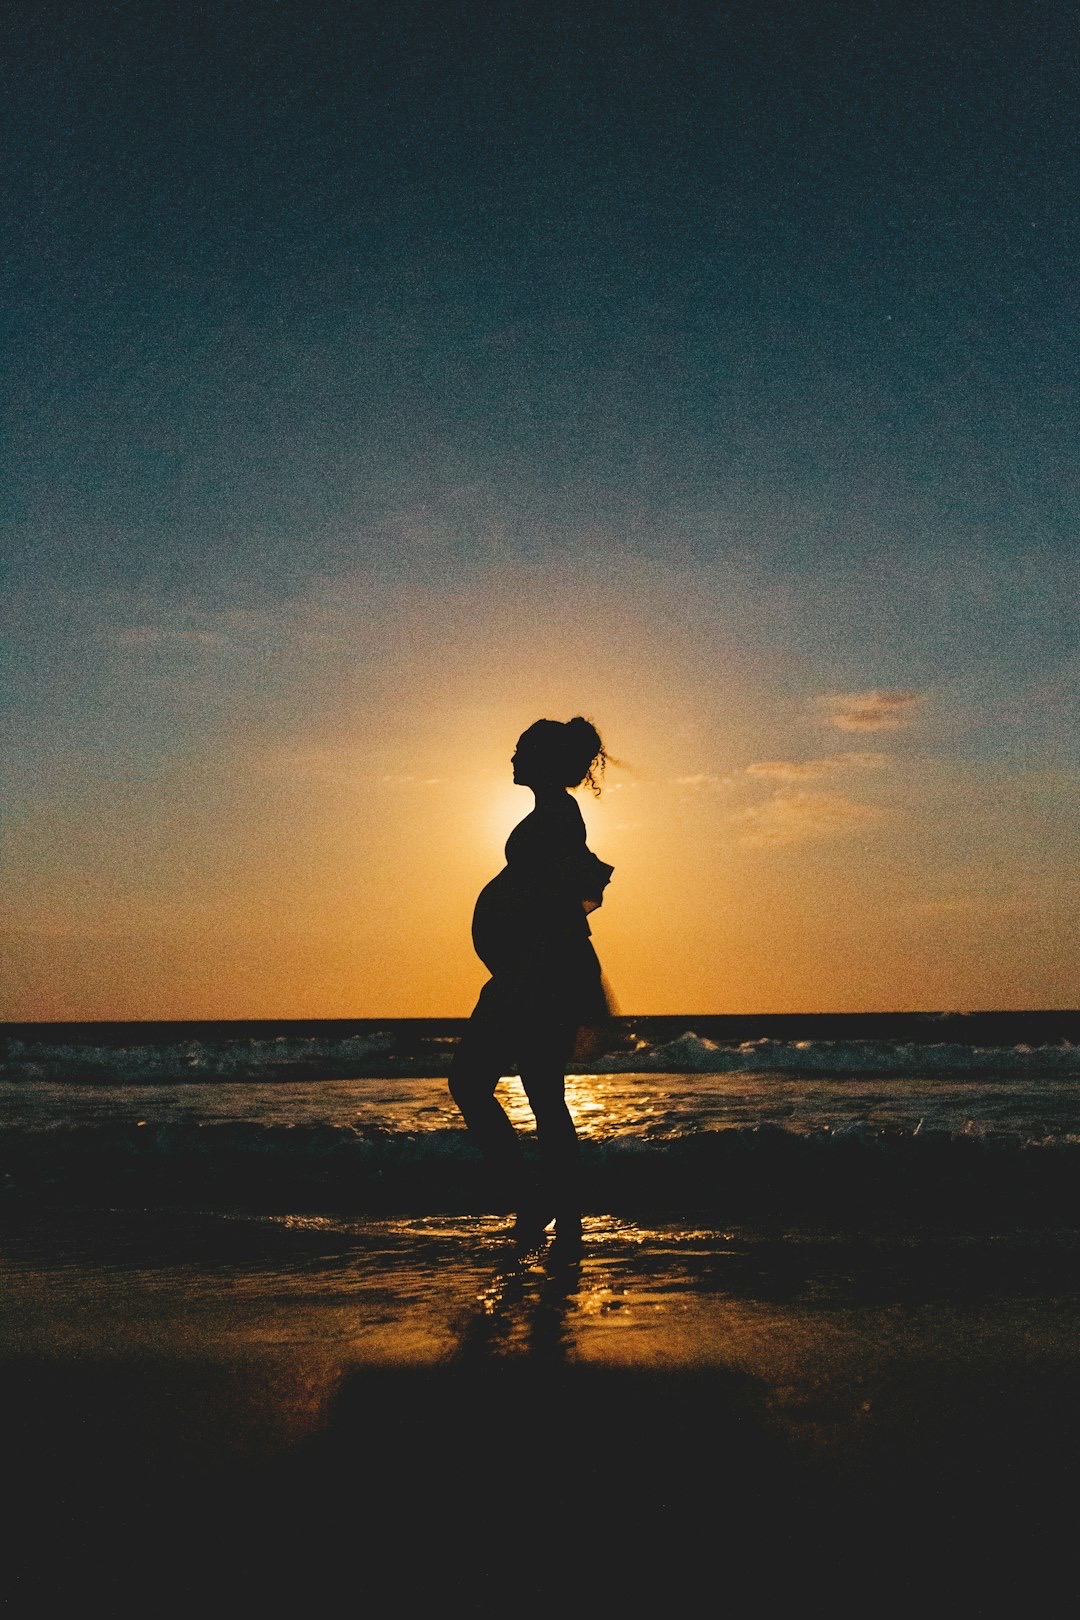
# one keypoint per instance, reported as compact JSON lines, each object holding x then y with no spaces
{"x":854,"y":1115}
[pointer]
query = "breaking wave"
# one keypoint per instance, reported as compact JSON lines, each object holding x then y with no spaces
{"x":390,"y":1054}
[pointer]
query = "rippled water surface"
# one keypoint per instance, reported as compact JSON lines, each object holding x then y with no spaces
{"x":604,"y":1105}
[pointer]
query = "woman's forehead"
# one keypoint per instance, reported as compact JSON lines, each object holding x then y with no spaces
{"x":538,"y":731}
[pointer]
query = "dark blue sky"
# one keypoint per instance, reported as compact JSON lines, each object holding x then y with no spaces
{"x":277,"y":268}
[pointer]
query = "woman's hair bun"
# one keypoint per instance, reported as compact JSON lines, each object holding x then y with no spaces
{"x":583,"y":729}
{"x":586,"y":751}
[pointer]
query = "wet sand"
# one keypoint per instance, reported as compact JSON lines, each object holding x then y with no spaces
{"x":213,"y":1404}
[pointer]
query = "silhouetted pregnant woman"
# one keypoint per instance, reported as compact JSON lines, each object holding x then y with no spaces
{"x":530,"y":931}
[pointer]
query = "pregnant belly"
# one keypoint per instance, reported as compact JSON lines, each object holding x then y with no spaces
{"x":517,"y":932}
{"x":497,"y":924}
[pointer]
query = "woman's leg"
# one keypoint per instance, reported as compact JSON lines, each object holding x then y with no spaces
{"x":475,"y":1071}
{"x":543,"y":1075}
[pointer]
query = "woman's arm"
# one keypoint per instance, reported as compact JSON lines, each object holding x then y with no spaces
{"x":552,"y":849}
{"x":589,"y":876}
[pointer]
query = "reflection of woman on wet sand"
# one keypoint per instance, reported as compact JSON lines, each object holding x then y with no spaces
{"x":530,"y":931}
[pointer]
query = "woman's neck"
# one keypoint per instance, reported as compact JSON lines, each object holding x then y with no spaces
{"x":548,"y":795}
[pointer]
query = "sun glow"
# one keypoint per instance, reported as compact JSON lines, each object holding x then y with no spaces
{"x":502,"y":809}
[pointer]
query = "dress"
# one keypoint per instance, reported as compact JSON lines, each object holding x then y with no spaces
{"x":529,"y":925}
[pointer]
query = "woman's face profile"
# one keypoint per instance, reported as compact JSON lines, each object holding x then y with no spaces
{"x":524,"y":764}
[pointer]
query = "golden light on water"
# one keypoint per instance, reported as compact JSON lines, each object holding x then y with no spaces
{"x":599,"y":1105}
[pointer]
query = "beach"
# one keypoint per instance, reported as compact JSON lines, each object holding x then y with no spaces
{"x":265,"y":1403}
{"x":239,"y":1361}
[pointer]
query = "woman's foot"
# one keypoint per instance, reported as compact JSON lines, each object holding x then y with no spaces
{"x":568,"y":1238}
{"x":531,"y":1223}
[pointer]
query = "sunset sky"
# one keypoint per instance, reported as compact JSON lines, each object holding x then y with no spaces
{"x":383,"y":377}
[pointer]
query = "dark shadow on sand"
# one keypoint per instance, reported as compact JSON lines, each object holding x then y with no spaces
{"x":500,"y":1477}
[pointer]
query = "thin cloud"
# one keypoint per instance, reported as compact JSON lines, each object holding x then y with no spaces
{"x":876,"y":710}
{"x":955,"y":906}
{"x":150,"y":635}
{"x":1012,"y":902}
{"x":794,"y":816}
{"x":810,"y":770}
{"x":324,"y":765}
{"x":344,"y":765}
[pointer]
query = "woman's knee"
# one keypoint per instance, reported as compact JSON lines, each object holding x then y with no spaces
{"x":462,"y":1082}
{"x":471,"y":1079}
{"x":548,"y":1104}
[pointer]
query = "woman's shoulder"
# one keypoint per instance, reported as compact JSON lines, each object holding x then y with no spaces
{"x":563,"y":816}
{"x":551,"y":826}
{"x":566,"y":805}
